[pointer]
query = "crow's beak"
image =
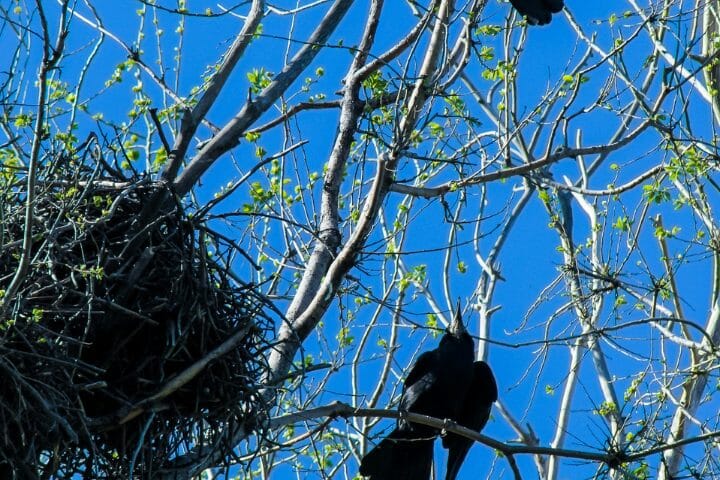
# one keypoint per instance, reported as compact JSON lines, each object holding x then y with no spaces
{"x":457,"y":327}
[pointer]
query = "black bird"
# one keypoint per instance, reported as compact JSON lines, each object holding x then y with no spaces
{"x":436,"y":386}
{"x":538,"y":12}
{"x":474,"y":414}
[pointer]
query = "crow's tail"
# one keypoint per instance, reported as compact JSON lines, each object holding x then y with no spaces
{"x":458,"y":448}
{"x":399,"y":458}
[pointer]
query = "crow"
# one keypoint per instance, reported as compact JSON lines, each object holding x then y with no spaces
{"x":538,"y":12}
{"x":436,"y":386}
{"x":473,"y":414}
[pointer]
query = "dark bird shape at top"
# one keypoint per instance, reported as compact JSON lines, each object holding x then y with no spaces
{"x":473,"y":414}
{"x":436,"y":386}
{"x":538,"y":12}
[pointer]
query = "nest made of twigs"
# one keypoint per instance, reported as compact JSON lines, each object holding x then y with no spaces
{"x":128,"y":338}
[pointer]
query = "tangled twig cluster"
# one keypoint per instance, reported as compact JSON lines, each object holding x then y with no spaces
{"x":129,"y":338}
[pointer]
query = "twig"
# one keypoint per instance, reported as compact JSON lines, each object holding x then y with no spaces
{"x":161,"y":132}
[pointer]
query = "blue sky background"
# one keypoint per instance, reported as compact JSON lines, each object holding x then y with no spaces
{"x":530,"y":383}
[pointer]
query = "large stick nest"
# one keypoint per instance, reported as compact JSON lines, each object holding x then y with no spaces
{"x":128,"y":341}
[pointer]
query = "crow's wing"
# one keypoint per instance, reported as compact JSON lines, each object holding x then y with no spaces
{"x":483,"y":375}
{"x":420,"y":379}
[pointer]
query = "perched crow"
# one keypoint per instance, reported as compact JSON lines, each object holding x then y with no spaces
{"x":538,"y":12}
{"x":436,"y":386}
{"x":473,"y":414}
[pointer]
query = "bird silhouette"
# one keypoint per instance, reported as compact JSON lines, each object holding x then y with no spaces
{"x":437,"y":386}
{"x":538,"y":12}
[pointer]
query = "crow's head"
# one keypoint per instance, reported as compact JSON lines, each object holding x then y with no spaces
{"x":457,"y":327}
{"x":457,"y":344}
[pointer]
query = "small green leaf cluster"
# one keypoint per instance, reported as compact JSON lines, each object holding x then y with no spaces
{"x":259,"y":78}
{"x":416,"y":275}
